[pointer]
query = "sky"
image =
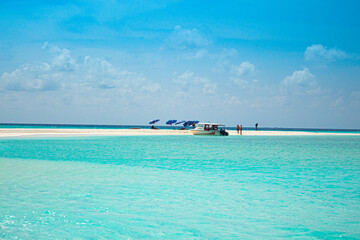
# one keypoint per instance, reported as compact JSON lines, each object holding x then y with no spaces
{"x":279,"y":63}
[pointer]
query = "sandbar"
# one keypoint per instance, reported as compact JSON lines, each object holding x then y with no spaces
{"x":69,"y":132}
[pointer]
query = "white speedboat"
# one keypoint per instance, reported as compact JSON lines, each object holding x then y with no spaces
{"x":210,"y":129}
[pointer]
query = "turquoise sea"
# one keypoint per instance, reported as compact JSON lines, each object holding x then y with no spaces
{"x":180,"y":187}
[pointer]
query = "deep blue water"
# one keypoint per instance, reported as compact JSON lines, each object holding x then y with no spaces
{"x":187,"y":187}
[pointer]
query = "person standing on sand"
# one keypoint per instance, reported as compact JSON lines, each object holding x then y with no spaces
{"x":256,"y":126}
{"x":237,"y":129}
{"x":240,"y":129}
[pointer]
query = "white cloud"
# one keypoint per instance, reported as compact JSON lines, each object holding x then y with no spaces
{"x":223,"y":60}
{"x":184,"y":78}
{"x":152,"y":88}
{"x":62,"y":59}
{"x":190,"y":78}
{"x":242,"y":74}
{"x":300,"y":77}
{"x":99,"y":73}
{"x":183,"y":39}
{"x":63,"y":71}
{"x":188,"y":43}
{"x":189,"y":81}
{"x":233,"y":100}
{"x":301,"y":81}
{"x":43,"y":76}
{"x":319,"y":53}
{"x":228,"y":52}
{"x":200,"y":54}
{"x":244,"y":69}
{"x":209,"y":88}
{"x":30,"y":78}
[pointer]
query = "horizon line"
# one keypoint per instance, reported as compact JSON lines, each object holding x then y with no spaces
{"x":148,"y":125}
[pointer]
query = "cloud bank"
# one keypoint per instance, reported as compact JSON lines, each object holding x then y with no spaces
{"x":63,"y":71}
{"x":319,"y":53}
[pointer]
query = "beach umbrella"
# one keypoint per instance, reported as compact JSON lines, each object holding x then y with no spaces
{"x":154,"y":121}
{"x":171,"y":122}
{"x":187,"y":123}
{"x":194,"y":123}
{"x":180,"y":122}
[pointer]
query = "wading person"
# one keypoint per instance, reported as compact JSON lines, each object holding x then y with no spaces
{"x":240,"y":129}
{"x":237,"y":129}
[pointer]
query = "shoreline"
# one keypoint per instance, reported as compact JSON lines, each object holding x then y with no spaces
{"x":70,"y":132}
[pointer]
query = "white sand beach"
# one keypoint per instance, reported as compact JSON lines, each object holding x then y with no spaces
{"x":63,"y":132}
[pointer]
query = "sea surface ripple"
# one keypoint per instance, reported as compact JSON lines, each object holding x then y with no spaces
{"x":182,"y":187}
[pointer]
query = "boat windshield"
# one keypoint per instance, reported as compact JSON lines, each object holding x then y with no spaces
{"x":211,"y":127}
{"x":208,"y":126}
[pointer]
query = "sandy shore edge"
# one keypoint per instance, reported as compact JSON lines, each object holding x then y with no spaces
{"x":63,"y":132}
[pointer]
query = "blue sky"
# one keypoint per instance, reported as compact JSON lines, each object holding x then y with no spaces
{"x":279,"y":63}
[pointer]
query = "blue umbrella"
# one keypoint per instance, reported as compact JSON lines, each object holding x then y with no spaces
{"x":193,"y":123}
{"x":188,"y":123}
{"x":154,"y":121}
{"x":170,"y":122}
{"x":179,"y":122}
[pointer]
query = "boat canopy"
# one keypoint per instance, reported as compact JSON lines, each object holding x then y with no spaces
{"x":213,"y":124}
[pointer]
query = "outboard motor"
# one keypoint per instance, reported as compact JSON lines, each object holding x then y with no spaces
{"x":223,"y":132}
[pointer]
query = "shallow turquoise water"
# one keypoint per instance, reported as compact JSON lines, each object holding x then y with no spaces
{"x":180,"y":187}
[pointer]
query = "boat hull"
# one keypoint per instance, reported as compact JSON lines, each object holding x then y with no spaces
{"x":206,"y":132}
